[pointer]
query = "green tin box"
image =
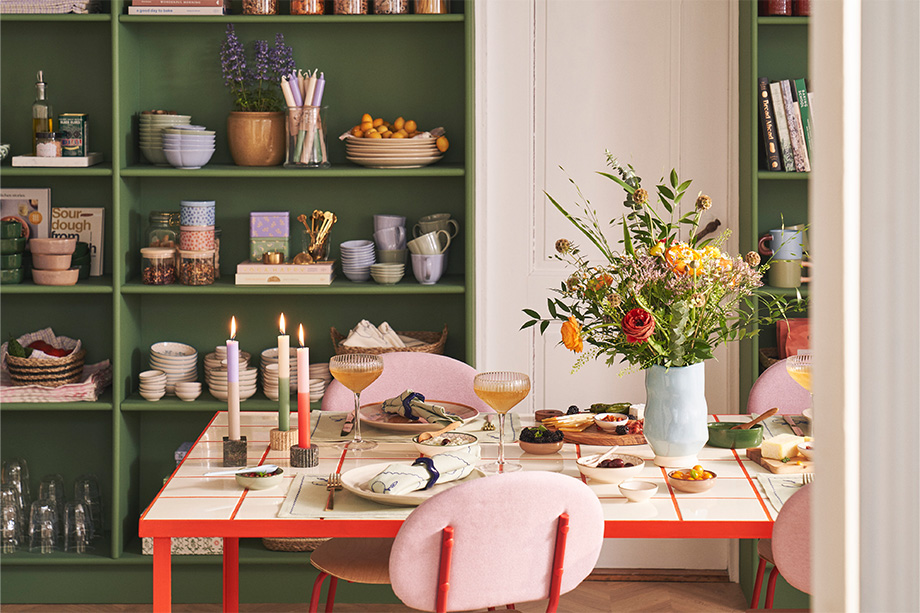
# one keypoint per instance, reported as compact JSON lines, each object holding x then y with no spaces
{"x":74,"y":126}
{"x":260,"y":246}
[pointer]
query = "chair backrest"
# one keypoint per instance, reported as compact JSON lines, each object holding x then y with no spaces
{"x":775,"y":388}
{"x":436,"y":377}
{"x":791,"y":540}
{"x":504,"y":541}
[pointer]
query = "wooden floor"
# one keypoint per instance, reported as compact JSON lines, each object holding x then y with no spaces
{"x":589,"y":597}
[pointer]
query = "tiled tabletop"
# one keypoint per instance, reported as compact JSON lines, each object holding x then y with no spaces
{"x":193,"y":505}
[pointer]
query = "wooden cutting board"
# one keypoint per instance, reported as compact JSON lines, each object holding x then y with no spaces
{"x":792,"y":467}
{"x":593,"y":435}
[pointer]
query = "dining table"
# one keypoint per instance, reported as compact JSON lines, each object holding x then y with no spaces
{"x":190,"y":504}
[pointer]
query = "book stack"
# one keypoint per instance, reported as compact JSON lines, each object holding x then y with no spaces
{"x":179,"y":7}
{"x":787,"y":123}
{"x":253,"y":273}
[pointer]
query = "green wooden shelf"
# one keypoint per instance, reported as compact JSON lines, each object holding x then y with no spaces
{"x":67,"y":17}
{"x":292,"y":19}
{"x":100,"y":554}
{"x":769,"y":175}
{"x":205,"y":403}
{"x":230,"y":171}
{"x":780,"y":20}
{"x":93,"y":285}
{"x":103,"y":404}
{"x":103,"y":169}
{"x":451,"y":284}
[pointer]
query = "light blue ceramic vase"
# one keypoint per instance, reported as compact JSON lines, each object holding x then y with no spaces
{"x":675,"y":413}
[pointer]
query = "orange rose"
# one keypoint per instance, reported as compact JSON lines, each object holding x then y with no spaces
{"x":571,"y":335}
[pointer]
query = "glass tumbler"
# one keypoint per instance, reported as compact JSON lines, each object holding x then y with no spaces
{"x":306,"y":137}
{"x":15,"y":473}
{"x":78,"y":528}
{"x":86,"y":491}
{"x":43,"y":527}
{"x":11,"y":528}
{"x":52,"y":489}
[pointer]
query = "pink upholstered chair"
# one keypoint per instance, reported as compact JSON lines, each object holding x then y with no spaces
{"x":775,"y":388}
{"x":436,"y":377}
{"x":492,"y":541}
{"x":789,"y":550}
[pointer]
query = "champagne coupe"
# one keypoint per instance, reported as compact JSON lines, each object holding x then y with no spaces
{"x":799,"y":368}
{"x":356,"y":371}
{"x":501,"y":391}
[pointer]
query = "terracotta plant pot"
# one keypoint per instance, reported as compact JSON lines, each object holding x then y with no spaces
{"x":256,"y":139}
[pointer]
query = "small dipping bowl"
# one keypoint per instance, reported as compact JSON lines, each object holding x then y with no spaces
{"x":638,"y":491}
{"x":722,"y":435}
{"x":689,"y":486}
{"x":807,"y":450}
{"x":612,"y":475}
{"x":455,"y":441}
{"x":260,"y":481}
{"x":610,"y":421}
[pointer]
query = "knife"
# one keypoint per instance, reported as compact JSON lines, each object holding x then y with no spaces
{"x":349,"y":422}
{"x":795,"y":429}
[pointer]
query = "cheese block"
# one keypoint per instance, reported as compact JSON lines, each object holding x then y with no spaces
{"x":637,"y":411}
{"x":781,"y":446}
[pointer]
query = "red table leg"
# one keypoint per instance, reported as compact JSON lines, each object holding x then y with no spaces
{"x":231,"y":575}
{"x":162,"y":574}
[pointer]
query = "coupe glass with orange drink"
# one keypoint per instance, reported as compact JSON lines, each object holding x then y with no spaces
{"x":356,"y":371}
{"x":502,"y":391}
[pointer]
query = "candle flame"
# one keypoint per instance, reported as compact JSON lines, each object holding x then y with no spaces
{"x":281,"y":323}
{"x":232,"y":328}
{"x":300,"y":334}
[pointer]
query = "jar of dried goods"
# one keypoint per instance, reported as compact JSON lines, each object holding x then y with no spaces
{"x":158,"y":265}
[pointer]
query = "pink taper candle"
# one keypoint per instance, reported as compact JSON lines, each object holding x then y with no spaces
{"x":233,"y":384}
{"x":284,"y":378}
{"x":303,"y":393}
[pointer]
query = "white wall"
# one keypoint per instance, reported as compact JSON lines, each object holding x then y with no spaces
{"x":558,"y":82}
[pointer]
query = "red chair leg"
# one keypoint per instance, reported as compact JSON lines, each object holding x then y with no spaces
{"x":510,"y":606}
{"x":490,"y":609}
{"x":317,"y":587}
{"x":330,"y":597}
{"x":761,"y":568}
{"x":771,"y":587}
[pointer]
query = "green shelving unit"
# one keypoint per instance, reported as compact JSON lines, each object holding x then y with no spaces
{"x":112,"y":66}
{"x":776,"y":48}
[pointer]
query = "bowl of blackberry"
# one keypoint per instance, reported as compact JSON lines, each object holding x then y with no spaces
{"x":540,"y":440}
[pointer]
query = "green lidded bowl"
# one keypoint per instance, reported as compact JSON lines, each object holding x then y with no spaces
{"x":12,"y":260}
{"x":12,"y":245}
{"x":722,"y":435}
{"x":10,"y":229}
{"x":10,"y":276}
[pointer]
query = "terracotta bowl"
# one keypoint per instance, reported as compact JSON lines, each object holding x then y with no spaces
{"x":541,"y":448}
{"x":55,"y":277}
{"x":45,"y":261}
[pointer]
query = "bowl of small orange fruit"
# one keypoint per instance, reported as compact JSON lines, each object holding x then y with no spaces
{"x":692,"y":480}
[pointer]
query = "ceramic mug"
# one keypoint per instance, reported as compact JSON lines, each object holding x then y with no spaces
{"x":428,"y":268}
{"x":785,"y":244}
{"x":430,"y":243}
{"x":388,"y":221}
{"x":787,"y":273}
{"x":425,"y":226}
{"x":393,"y":237}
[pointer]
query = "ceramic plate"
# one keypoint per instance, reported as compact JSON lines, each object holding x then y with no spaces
{"x":373,"y":414}
{"x":378,"y":155}
{"x":356,"y":479}
{"x":394,"y":162}
{"x":167,"y":349}
{"x":808,"y":414}
{"x":390,"y":142}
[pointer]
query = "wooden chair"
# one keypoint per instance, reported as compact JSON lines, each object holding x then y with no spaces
{"x":485,"y":543}
{"x":437,"y":377}
{"x":775,"y":388}
{"x":789,"y":550}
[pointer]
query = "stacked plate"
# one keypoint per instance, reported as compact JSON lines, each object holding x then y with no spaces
{"x":269,"y":368}
{"x":388,"y":274}
{"x":215,"y":373}
{"x":319,"y":379}
{"x":151,"y":126}
{"x":188,"y":146}
{"x":178,"y":360}
{"x":392,"y":152}
{"x":357,"y":257}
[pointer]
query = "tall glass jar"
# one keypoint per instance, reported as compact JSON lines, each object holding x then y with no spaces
{"x":260,"y":7}
{"x":217,"y":233}
{"x":163,"y":229}
{"x":308,"y":7}
{"x":350,"y":7}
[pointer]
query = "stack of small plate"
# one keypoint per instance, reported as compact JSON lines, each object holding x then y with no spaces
{"x":392,"y":152}
{"x":215,"y":373}
{"x":151,"y":126}
{"x":388,"y":274}
{"x":270,"y":372}
{"x":178,"y":360}
{"x":357,"y":257}
{"x":319,"y":379}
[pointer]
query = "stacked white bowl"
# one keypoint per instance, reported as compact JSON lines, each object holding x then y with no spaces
{"x":270,"y":372}
{"x":215,"y":373}
{"x":188,"y":390}
{"x":151,"y":126}
{"x":152,"y":384}
{"x":178,"y":360}
{"x":388,"y":274}
{"x":188,"y":146}
{"x":357,"y":258}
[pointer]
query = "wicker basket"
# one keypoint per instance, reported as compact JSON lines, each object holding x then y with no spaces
{"x":769,"y":356}
{"x":47,"y":372}
{"x":292,"y":544}
{"x":434,"y":343}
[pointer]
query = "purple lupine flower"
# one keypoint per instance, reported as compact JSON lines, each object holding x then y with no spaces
{"x":281,"y":58}
{"x":260,"y":72}
{"x":232,"y":59}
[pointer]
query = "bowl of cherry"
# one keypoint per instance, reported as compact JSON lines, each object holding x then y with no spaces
{"x":617,"y":468}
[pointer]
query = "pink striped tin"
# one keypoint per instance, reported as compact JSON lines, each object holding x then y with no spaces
{"x":196,"y":238}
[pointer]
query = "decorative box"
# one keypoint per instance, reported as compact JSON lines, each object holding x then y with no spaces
{"x":269,"y":224}
{"x":259,"y":246}
{"x":189,"y":545}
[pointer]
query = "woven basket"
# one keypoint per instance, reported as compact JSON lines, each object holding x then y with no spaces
{"x":48,"y":372}
{"x":769,"y":356}
{"x":292,"y":544}
{"x":434,"y":343}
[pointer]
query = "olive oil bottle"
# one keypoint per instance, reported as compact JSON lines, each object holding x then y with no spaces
{"x":42,"y":115}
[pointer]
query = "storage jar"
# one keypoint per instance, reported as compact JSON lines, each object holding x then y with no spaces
{"x":196,"y":238}
{"x":217,"y":233}
{"x":432,"y":7}
{"x":350,"y":7}
{"x":196,"y":267}
{"x":269,"y":224}
{"x":163,"y":229}
{"x":49,"y":144}
{"x":158,"y":265}
{"x":260,"y":7}
{"x":308,"y":7}
{"x":260,"y":246}
{"x":391,"y":7}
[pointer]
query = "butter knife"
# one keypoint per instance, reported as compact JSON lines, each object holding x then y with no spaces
{"x":795,"y":429}
{"x":349,"y":422}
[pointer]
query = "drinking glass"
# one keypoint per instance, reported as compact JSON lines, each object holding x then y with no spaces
{"x":11,"y":517}
{"x":86,"y":490}
{"x":502,"y":391}
{"x":52,"y":488}
{"x":43,"y":527}
{"x":16,"y":474}
{"x":78,"y":528}
{"x":356,"y":371}
{"x":799,"y":368}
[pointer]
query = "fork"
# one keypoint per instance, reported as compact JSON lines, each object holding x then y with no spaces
{"x":807,"y":478}
{"x":333,"y":483}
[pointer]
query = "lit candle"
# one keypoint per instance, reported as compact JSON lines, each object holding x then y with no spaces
{"x":233,"y":384}
{"x":284,"y":378}
{"x":303,"y":393}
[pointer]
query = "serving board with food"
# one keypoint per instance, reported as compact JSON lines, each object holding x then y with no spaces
{"x":780,"y":455}
{"x":621,"y":427}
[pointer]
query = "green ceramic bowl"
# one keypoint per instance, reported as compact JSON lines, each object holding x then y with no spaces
{"x":722,"y":435}
{"x":13,"y":260}
{"x":12,"y":245}
{"x":11,"y":276}
{"x":81,"y":250}
{"x":10,"y":229}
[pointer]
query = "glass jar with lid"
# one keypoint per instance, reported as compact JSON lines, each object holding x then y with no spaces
{"x":196,"y":267}
{"x":163,"y":229}
{"x":158,"y":266}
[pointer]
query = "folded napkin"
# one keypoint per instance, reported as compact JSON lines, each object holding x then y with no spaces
{"x":402,"y":478}
{"x":412,"y":405}
{"x":366,"y":334}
